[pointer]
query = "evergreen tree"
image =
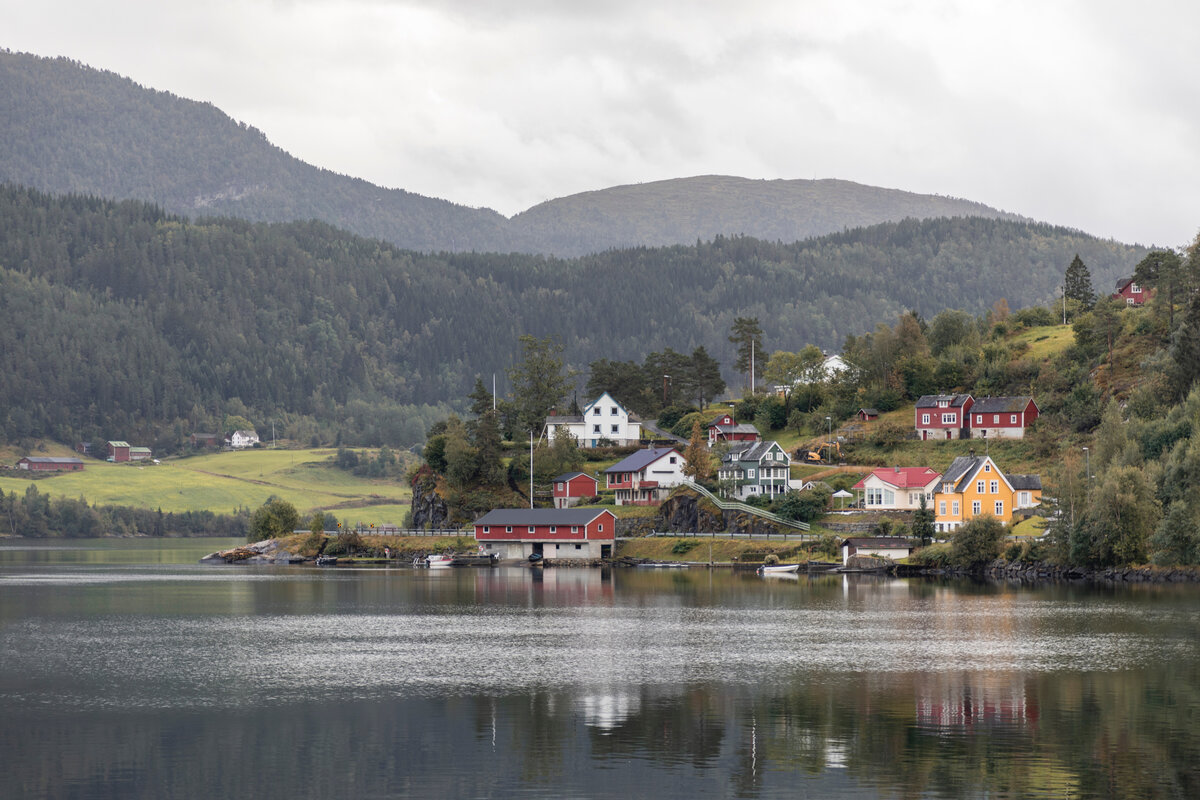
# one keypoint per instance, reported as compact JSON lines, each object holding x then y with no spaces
{"x":706,"y":382}
{"x":746,"y":334}
{"x":1077,"y":283}
{"x":922,"y":523}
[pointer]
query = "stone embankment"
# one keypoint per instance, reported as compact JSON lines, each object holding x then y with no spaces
{"x":1041,"y":571}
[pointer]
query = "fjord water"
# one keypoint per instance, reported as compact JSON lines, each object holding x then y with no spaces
{"x":127,"y":670}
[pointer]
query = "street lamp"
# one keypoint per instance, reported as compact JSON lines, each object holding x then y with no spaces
{"x":665,"y":379}
{"x":829,"y":440}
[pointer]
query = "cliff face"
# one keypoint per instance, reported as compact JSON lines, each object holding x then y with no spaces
{"x":429,"y":508}
{"x":687,"y":511}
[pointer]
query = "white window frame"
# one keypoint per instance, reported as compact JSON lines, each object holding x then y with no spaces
{"x":1012,"y":419}
{"x":979,"y":487}
{"x":954,"y":508}
{"x":532,"y":528}
{"x":999,"y":508}
{"x":924,"y":419}
{"x":994,"y":487}
{"x":942,"y":508}
{"x":595,"y":429}
{"x":949,"y":419}
{"x":615,"y":428}
{"x":487,"y":529}
{"x":976,"y":508}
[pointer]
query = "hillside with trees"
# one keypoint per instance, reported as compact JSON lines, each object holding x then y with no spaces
{"x":68,"y":128}
{"x":121,"y":317}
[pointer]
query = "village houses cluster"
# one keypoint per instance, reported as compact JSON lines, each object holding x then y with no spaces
{"x":972,"y":486}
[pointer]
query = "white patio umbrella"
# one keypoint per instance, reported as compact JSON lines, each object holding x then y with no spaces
{"x":842,"y":493}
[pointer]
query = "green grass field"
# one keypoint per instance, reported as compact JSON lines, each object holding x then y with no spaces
{"x":223,"y":482}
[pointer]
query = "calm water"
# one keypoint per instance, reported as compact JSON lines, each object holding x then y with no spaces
{"x":127,"y":670}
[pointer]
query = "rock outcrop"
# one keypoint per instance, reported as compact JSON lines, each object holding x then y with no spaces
{"x":267,"y":551}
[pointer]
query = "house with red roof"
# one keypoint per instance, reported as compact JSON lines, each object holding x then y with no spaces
{"x":898,"y":488}
{"x":571,"y":487}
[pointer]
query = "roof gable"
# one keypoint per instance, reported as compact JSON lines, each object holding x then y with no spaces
{"x":638,"y":461}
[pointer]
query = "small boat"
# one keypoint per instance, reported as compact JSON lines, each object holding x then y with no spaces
{"x":438,"y":560}
{"x":326,"y":561}
{"x":777,"y":569}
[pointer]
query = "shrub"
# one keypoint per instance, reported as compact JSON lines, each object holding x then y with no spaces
{"x":935,"y":556}
{"x":977,"y":542}
{"x":684,"y":546}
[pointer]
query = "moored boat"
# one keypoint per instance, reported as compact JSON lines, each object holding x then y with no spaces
{"x":438,"y":560}
{"x":777,"y":569}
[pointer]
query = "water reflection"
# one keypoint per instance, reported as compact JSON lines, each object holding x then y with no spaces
{"x":157,"y":679}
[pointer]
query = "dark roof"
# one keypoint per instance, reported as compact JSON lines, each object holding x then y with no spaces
{"x":876,"y":541}
{"x":871,"y":412}
{"x":741,"y":427}
{"x":1001,"y":405}
{"x":1026,"y":482}
{"x":559,"y":419}
{"x":641,"y":459}
{"x":50,"y":460}
{"x":754,"y":452}
{"x":961,"y":469}
{"x":567,"y":476}
{"x":932,"y":400}
{"x":541,"y":516}
{"x":1123,"y":282}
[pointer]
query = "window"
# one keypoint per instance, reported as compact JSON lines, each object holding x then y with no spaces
{"x":485,"y":528}
{"x":1024,"y":498}
{"x":574,"y":529}
{"x":750,"y":472}
{"x":508,"y":528}
{"x":976,"y":508}
{"x":1133,"y":287}
{"x":561,"y":486}
{"x":924,"y":419}
{"x":999,"y":508}
{"x":987,"y":467}
{"x":595,"y":429}
{"x":600,"y":528}
{"x":1012,"y":419}
{"x":578,"y":547}
{"x":995,"y":419}
{"x":948,"y":419}
{"x":994,"y":487}
{"x":531,"y":529}
{"x":616,"y":428}
{"x":613,"y":412}
{"x":596,"y":411}
{"x":954,"y":508}
{"x":979,"y":419}
{"x":941,"y":508}
{"x":978,"y":487}
{"x":554,"y":529}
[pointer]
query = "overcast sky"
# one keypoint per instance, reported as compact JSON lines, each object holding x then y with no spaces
{"x":1077,"y":112}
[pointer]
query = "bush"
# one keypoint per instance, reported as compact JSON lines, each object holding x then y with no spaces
{"x":935,"y":556}
{"x":977,"y":542}
{"x":684,"y":546}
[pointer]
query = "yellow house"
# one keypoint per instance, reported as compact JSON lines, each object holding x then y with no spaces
{"x":973,"y":486}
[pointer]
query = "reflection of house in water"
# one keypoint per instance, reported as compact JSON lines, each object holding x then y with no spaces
{"x":608,"y":709}
{"x":968,"y":701}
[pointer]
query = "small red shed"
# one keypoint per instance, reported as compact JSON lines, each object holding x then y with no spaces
{"x":571,"y":487}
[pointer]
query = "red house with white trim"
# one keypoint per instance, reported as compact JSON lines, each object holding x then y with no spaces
{"x":943,"y":416}
{"x":1002,"y":417}
{"x":571,"y":487}
{"x":725,"y":429}
{"x":548,"y":532}
{"x":1132,"y":293}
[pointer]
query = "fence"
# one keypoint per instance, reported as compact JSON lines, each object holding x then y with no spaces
{"x":392,"y":530}
{"x":778,"y":536}
{"x":733,"y":505}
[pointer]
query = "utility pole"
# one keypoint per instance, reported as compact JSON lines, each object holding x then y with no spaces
{"x":531,"y":469}
{"x":665,"y":379}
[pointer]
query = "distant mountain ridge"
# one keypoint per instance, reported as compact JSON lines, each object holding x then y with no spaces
{"x":68,"y":128}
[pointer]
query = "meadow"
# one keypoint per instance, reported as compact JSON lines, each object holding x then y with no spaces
{"x":224,"y":482}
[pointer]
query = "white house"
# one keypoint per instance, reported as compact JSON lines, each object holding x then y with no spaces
{"x":240,"y":439}
{"x":891,"y":547}
{"x":646,"y":477}
{"x":604,"y":421}
{"x":899,"y":488}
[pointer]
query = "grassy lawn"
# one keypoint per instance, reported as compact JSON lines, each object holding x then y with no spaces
{"x":1034,"y":526}
{"x":1045,"y":342}
{"x":223,"y":482}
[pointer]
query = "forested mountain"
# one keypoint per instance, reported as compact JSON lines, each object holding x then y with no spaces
{"x":120,"y":317}
{"x":65,"y":127}
{"x":68,"y":128}
{"x":685,"y":210}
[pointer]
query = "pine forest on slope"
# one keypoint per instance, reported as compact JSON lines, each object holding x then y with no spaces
{"x":68,"y":128}
{"x":121,"y":318}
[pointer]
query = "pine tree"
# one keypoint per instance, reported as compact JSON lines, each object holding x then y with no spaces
{"x":1077,"y":283}
{"x":746,"y":333}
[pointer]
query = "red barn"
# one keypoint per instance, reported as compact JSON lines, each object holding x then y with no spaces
{"x":724,"y":429}
{"x":943,"y":416}
{"x":571,"y":487}
{"x":1002,"y":417}
{"x":50,"y":464}
{"x":118,"y":451}
{"x":548,"y":532}
{"x":1131,"y":293}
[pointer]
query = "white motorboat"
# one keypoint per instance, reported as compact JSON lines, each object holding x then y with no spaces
{"x":438,"y":560}
{"x":777,"y":569}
